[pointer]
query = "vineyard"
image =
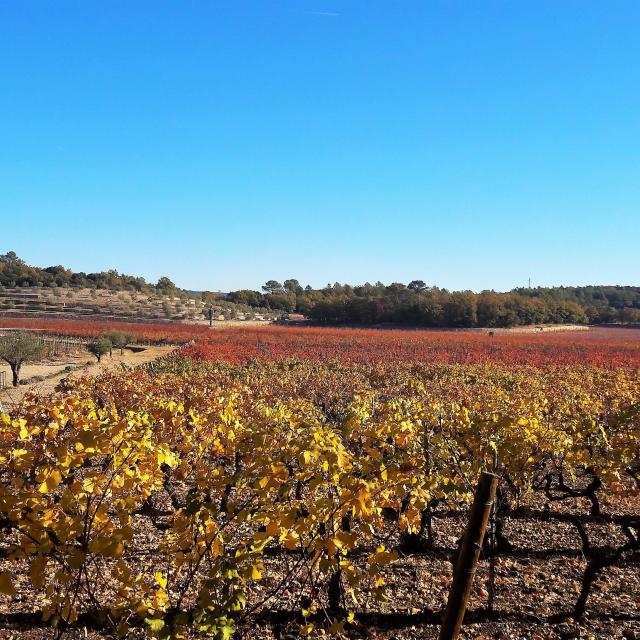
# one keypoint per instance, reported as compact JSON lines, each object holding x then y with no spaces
{"x":151,"y":332}
{"x":279,"y":483}
{"x":596,"y":347}
{"x":599,"y":347}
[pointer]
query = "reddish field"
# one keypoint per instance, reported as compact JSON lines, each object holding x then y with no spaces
{"x":605,"y":347}
{"x":597,"y":347}
{"x":157,"y":332}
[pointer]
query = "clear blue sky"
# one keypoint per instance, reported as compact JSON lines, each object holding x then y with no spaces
{"x":469,"y":144}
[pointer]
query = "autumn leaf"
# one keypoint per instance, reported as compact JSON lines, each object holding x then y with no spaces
{"x":6,"y":584}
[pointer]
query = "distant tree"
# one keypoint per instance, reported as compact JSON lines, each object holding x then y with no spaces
{"x":11,"y":260}
{"x":529,"y":310}
{"x":327,"y":311}
{"x":118,"y":340}
{"x":18,"y":348}
{"x":208,"y":297}
{"x":567,"y":312}
{"x":628,"y":315}
{"x":491,"y":310}
{"x":395,"y":288}
{"x":292,"y":286}
{"x":281,"y":301}
{"x":165,"y":285}
{"x":100,"y":347}
{"x":460,"y":310}
{"x":417,"y":285}
{"x":429,"y":309}
{"x":245,"y":296}
{"x":272,"y":286}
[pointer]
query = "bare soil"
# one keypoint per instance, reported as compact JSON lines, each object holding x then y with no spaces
{"x":83,"y":363}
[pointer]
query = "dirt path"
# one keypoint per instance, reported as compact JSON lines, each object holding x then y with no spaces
{"x":83,"y":364}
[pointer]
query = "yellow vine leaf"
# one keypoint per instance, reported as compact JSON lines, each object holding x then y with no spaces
{"x":52,"y":480}
{"x":37,"y":571}
{"x":6,"y":584}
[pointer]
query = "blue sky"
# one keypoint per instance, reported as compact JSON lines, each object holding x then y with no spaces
{"x":468,"y":144}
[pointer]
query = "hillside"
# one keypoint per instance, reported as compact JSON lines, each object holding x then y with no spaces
{"x":25,"y":289}
{"x":59,"y":292}
{"x":75,"y":302}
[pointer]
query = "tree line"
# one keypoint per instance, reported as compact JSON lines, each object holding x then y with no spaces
{"x":417,"y":304}
{"x":15,"y":272}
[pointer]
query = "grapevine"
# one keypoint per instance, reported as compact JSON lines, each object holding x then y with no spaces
{"x":172,"y":496}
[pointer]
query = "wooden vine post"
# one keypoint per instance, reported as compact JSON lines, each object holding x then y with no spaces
{"x":468,"y":556}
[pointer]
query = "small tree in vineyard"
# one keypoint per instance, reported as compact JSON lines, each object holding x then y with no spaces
{"x":18,"y":348}
{"x":100,"y":347}
{"x":119,"y":339}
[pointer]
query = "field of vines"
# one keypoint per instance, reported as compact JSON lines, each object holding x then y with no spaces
{"x":285,"y":483}
{"x":149,"y":332}
{"x":600,"y":347}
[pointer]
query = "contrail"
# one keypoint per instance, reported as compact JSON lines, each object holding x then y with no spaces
{"x":328,"y":14}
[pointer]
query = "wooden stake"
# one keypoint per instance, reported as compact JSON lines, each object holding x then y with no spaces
{"x":468,"y":557}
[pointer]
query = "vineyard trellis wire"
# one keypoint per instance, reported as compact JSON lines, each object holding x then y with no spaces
{"x":58,"y":345}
